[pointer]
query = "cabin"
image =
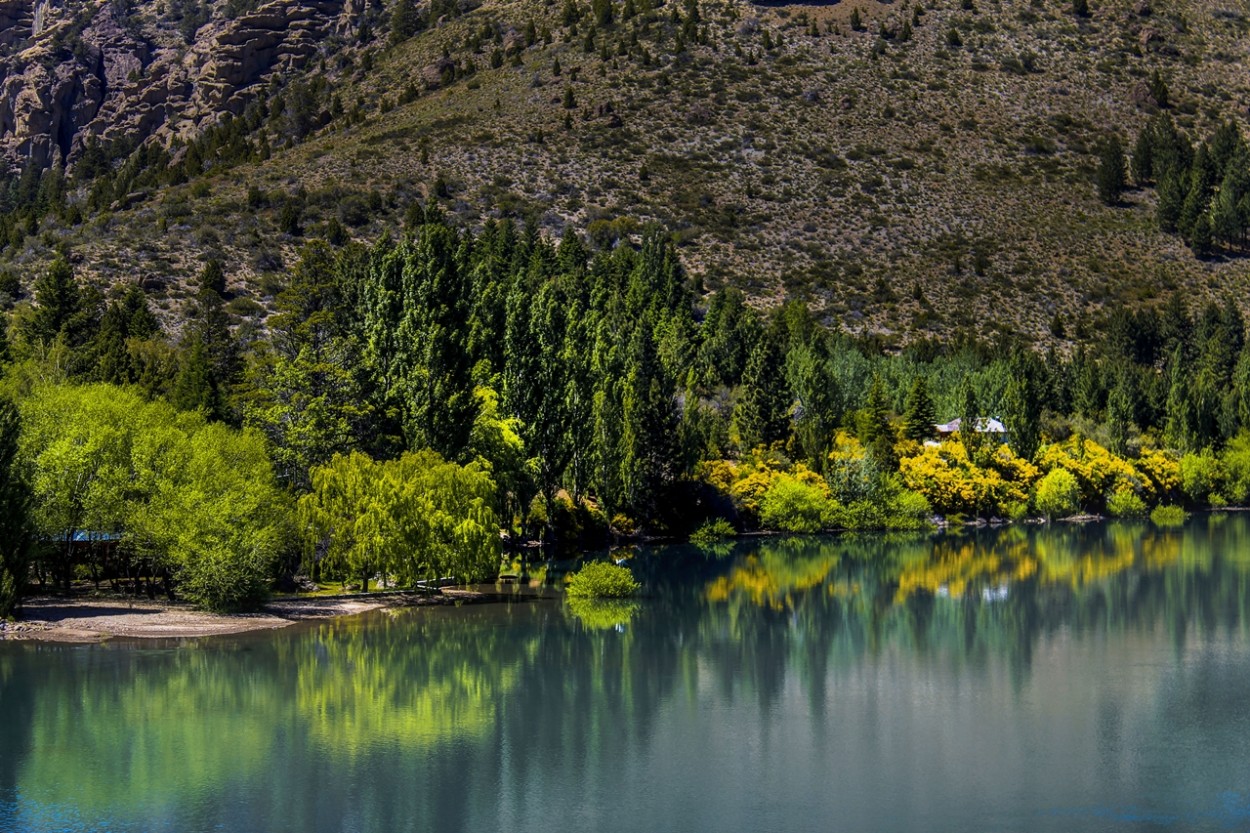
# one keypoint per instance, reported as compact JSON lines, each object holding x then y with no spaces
{"x":987,"y":426}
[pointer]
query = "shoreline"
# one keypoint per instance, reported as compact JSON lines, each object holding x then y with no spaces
{"x":92,"y":620}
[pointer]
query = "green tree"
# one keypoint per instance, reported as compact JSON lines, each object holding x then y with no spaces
{"x":213,"y":276}
{"x":1022,"y":404}
{"x":969,"y":416}
{"x":1057,"y":494}
{"x":1121,"y":407}
{"x":763,"y":412}
{"x":14,"y":524}
{"x":1159,"y":89}
{"x":416,"y":518}
{"x":919,"y":416}
{"x":193,"y":388}
{"x":879,"y":434}
{"x":1180,"y":430}
{"x":1109,"y":178}
{"x":405,"y":21}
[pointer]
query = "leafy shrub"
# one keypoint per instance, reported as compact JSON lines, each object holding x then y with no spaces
{"x":601,"y":580}
{"x":792,"y":505}
{"x":1057,"y":494}
{"x":1098,"y":472}
{"x":1168,"y":516}
{"x":1125,"y":503}
{"x":713,"y":531}
{"x":953,"y":483}
{"x":1201,"y":474}
{"x":1236,"y":464}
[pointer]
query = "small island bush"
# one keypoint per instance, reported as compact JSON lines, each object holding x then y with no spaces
{"x":712,"y":531}
{"x":1168,"y":516}
{"x":601,"y":580}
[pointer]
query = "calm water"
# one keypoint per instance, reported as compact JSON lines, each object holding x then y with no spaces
{"x":1062,"y":679}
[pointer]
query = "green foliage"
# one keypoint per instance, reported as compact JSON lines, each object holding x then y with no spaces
{"x":190,"y":500}
{"x":1201,"y":476}
{"x":791,"y":505}
{"x":1057,"y":494}
{"x":919,"y":418}
{"x":1110,"y":179}
{"x":712,"y":531}
{"x":763,"y":414}
{"x":1125,"y":503}
{"x":602,"y":580}
{"x":14,"y":512}
{"x":1168,"y":516}
{"x":416,"y":518}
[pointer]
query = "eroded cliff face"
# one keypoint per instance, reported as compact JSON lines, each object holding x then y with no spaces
{"x":71,"y":71}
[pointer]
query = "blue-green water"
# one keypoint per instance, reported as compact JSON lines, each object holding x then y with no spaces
{"x":1060,"y":679}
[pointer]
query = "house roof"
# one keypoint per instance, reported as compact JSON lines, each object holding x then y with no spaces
{"x":86,"y":536}
{"x":985,"y":425}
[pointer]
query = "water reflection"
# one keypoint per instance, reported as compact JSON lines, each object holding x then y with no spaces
{"x":1026,"y":678}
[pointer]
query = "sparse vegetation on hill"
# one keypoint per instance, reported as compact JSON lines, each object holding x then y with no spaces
{"x":928,"y":172}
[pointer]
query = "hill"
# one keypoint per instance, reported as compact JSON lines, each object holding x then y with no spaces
{"x":909,"y":169}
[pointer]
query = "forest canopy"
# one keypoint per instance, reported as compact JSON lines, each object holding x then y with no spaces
{"x":410,"y":402}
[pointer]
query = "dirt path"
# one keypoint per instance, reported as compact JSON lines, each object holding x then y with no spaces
{"x":91,"y":620}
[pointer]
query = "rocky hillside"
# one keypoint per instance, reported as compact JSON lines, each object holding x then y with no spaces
{"x":120,"y":74}
{"x":912,"y":168}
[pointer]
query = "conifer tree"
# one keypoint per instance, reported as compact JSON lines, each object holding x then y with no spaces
{"x":970,"y":420}
{"x":1179,"y":430}
{"x":1022,"y":404}
{"x":919,"y":417}
{"x":763,"y":414}
{"x":1110,"y":176}
{"x":879,"y":434}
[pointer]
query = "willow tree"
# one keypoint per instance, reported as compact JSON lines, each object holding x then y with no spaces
{"x":414,"y":518}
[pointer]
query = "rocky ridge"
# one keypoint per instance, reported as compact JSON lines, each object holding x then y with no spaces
{"x":80,"y":72}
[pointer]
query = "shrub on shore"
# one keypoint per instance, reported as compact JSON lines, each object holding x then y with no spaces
{"x":1168,"y":516}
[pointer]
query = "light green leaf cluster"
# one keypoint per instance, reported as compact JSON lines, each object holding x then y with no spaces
{"x":196,"y":499}
{"x":415,"y":518}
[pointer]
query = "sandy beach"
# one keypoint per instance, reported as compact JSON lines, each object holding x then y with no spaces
{"x":91,"y":620}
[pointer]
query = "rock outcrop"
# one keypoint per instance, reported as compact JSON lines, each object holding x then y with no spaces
{"x":76,"y":72}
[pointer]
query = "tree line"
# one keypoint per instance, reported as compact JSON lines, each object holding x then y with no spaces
{"x":500,"y":380}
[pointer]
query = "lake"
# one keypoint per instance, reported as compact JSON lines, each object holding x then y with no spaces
{"x":1062,"y":678}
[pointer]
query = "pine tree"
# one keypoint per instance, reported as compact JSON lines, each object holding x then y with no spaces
{"x":1171,"y":199}
{"x":649,"y":423}
{"x":57,"y":301}
{"x":1159,"y":89}
{"x":1179,"y":430}
{"x":763,"y":414}
{"x":879,"y":433}
{"x":213,"y":276}
{"x":919,"y":417}
{"x":193,"y":388}
{"x":1110,"y":176}
{"x":969,"y":418}
{"x":1022,"y":404}
{"x":405,"y":22}
{"x":1143,"y":156}
{"x":1121,"y":405}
